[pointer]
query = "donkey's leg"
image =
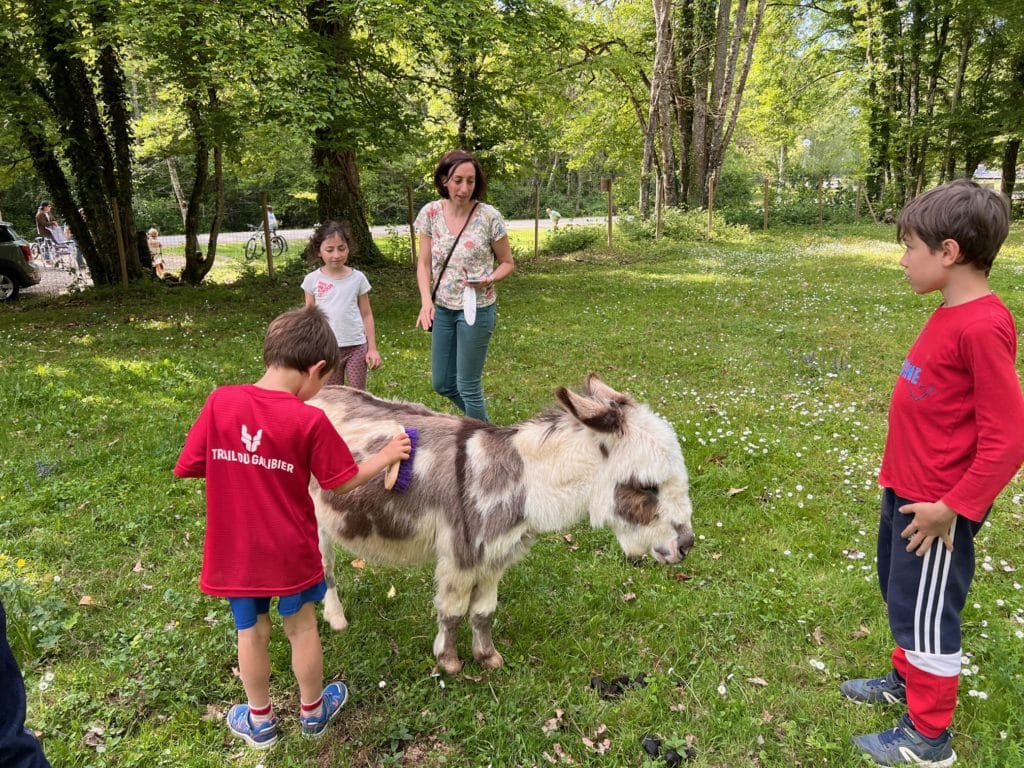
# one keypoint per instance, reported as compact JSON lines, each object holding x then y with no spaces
{"x":481,"y":616}
{"x":333,"y":611}
{"x":454,"y":587}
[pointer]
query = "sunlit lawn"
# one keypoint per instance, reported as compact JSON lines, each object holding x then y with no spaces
{"x":772,"y":354}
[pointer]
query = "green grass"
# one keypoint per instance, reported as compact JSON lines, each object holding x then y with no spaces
{"x":772,"y":354}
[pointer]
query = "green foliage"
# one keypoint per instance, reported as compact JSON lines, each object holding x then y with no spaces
{"x":571,"y":239}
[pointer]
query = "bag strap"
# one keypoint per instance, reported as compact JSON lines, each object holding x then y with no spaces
{"x":433,"y":292}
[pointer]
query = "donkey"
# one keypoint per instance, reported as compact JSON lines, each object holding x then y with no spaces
{"x":481,"y":493}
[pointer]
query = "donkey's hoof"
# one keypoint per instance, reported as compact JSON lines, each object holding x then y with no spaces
{"x":492,"y":661}
{"x":337,"y":621}
{"x":450,"y":664}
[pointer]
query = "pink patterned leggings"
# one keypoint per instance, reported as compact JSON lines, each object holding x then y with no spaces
{"x":351,"y":366}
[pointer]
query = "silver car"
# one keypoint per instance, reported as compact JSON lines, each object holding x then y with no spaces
{"x":18,"y":268}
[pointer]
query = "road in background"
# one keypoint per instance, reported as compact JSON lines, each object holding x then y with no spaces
{"x":61,"y":281}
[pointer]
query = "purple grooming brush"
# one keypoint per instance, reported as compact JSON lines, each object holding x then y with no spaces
{"x":399,"y":476}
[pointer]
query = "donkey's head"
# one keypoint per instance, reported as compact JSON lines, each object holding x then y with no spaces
{"x":641,"y":491}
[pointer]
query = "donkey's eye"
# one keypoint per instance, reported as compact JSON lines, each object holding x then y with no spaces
{"x":651,"y":489}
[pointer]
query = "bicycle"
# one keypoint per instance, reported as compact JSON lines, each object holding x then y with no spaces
{"x":55,"y":255}
{"x":257,"y":242}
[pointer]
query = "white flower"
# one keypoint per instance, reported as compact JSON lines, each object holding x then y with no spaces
{"x":382,"y":684}
{"x":818,"y":665}
{"x":977,"y":694}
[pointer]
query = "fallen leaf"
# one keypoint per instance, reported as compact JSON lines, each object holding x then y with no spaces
{"x":392,"y":592}
{"x":757,"y":681}
{"x":682,"y":576}
{"x":818,"y":637}
{"x":86,"y":600}
{"x":716,"y":555}
{"x":480,"y":717}
{"x":678,"y":707}
{"x":213,"y":712}
{"x":94,"y":738}
{"x":358,"y":564}
{"x":735,"y":491}
{"x":138,"y":566}
{"x":554,"y":723}
{"x":629,"y":597}
{"x":859,"y":634}
{"x":567,"y":538}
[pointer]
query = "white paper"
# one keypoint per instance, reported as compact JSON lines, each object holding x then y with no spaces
{"x":469,"y":304}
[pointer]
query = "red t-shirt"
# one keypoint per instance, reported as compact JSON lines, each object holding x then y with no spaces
{"x":257,"y":448}
{"x":956,"y":419}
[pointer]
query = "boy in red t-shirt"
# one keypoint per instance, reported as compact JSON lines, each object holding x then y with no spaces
{"x":257,"y":445}
{"x":955,"y":439}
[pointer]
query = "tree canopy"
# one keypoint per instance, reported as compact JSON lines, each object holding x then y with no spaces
{"x":179,"y":112}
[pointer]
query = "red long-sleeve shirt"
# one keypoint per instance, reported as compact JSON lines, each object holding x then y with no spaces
{"x":257,"y":448}
{"x":956,"y":418}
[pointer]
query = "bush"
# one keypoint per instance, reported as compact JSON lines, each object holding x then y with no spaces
{"x":572,"y":239}
{"x":682,"y":225}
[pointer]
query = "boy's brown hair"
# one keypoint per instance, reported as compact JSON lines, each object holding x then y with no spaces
{"x":976,"y":217}
{"x":299,"y":339}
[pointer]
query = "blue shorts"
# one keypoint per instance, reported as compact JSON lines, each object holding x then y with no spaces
{"x":247,"y":609}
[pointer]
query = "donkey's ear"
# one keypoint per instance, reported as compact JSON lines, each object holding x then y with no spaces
{"x":599,"y":416}
{"x":594,"y":387}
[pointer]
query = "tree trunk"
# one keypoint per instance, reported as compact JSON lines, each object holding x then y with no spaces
{"x":339,"y":194}
{"x":1009,"y":179}
{"x":938,"y":55}
{"x":948,"y":171}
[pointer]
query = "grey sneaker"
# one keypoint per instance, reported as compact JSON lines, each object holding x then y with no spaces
{"x":876,"y":690}
{"x":903,"y":745}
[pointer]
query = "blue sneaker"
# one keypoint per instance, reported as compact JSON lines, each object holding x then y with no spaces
{"x":335,"y":696}
{"x":877,"y":690}
{"x":903,"y":745}
{"x":262,"y":736}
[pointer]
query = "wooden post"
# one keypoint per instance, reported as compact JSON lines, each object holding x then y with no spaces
{"x":606,"y":186}
{"x":821,"y":202}
{"x":266,"y":234}
{"x":711,"y":204}
{"x":536,"y":217}
{"x":119,"y":235}
{"x":659,"y":197}
{"x":856,"y":204}
{"x":766,"y":185}
{"x":412,"y":235}
{"x":871,"y":210}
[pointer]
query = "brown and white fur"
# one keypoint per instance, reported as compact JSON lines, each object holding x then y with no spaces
{"x":481,"y":493}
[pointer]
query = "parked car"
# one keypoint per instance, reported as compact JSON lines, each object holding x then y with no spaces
{"x":18,"y":269}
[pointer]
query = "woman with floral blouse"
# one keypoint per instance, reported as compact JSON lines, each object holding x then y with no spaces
{"x":458,"y":298}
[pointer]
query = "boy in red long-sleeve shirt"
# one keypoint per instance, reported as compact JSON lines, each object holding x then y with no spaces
{"x":955,"y":439}
{"x":257,"y":445}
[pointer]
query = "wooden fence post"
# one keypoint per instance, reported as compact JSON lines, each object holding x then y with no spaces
{"x":119,"y":235}
{"x":766,"y":184}
{"x":266,"y":234}
{"x":536,"y":217}
{"x":821,"y":202}
{"x":856,"y":204}
{"x":606,"y":186}
{"x":412,"y":235}
{"x":659,"y":197}
{"x":711,"y":204}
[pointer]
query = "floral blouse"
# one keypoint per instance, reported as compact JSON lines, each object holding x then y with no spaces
{"x":472,"y":259}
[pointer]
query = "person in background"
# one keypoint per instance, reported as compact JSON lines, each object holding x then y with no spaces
{"x":19,"y":748}
{"x":155,"y":251}
{"x":555,"y":217}
{"x":955,"y":439}
{"x":257,"y":445}
{"x":343,"y":293}
{"x":461,"y":238}
{"x":271,"y":219}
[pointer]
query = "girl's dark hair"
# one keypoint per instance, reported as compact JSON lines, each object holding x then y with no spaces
{"x":450,"y":162}
{"x":324,"y":231}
